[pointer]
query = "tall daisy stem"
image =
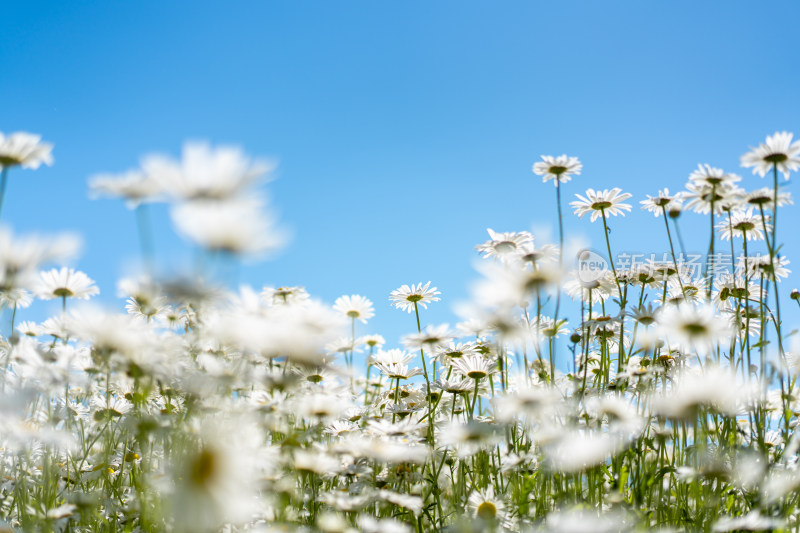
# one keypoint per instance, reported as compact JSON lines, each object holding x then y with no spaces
{"x":611,"y":259}
{"x":3,"y":181}
{"x":672,"y":249}
{"x":145,"y":237}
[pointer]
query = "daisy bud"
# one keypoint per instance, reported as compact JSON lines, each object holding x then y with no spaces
{"x":795,"y":295}
{"x":674,"y":212}
{"x":575,"y":338}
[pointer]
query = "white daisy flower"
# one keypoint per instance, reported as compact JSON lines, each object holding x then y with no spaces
{"x":406,"y":298}
{"x":134,"y":186}
{"x":24,"y":149}
{"x":355,"y":307}
{"x":475,"y":367}
{"x":701,"y":195}
{"x":239,"y":226}
{"x":205,"y":173}
{"x":559,"y":169}
{"x":693,"y":327}
{"x":599,"y":203}
{"x":65,"y":283}
{"x":371,"y":340}
{"x":663,"y":201}
{"x":502,"y":245}
{"x":708,"y":175}
{"x":744,"y":224}
{"x":431,"y":337}
{"x":284,"y":295}
{"x":485,"y":505}
{"x":778,"y":151}
{"x":765,"y":198}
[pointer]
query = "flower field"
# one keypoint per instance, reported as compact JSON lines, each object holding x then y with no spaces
{"x":671,"y":404}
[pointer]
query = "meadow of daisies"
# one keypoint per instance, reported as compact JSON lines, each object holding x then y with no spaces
{"x":670,"y":405}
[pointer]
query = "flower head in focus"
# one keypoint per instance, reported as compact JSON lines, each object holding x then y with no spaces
{"x":408,"y":297}
{"x":778,"y":151}
{"x":662,"y":202}
{"x":559,"y":169}
{"x":599,"y":203}
{"x":355,"y":307}
{"x":66,"y":283}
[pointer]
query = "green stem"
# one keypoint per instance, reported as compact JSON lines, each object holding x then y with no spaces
{"x":3,"y":182}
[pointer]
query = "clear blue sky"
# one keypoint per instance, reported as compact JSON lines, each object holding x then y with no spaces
{"x":403,"y":129}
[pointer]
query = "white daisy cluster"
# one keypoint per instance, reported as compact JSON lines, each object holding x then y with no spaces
{"x":667,"y":401}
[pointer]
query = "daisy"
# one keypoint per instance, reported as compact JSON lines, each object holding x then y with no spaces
{"x":398,"y":370}
{"x":596,"y":290}
{"x":470,"y":438}
{"x":777,"y":152}
{"x":485,"y":505}
{"x":545,"y":326}
{"x":453,"y":386}
{"x":752,"y":521}
{"x":134,"y":186}
{"x":355,"y":307}
{"x":371,"y":340}
{"x":65,"y":283}
{"x":392,"y":357}
{"x":730,"y":287}
{"x":22,"y":257}
{"x":701,"y":195}
{"x":696,"y":327}
{"x":284,"y":295}
{"x":600,"y":203}
{"x":475,"y":367}
{"x":205,"y":173}
{"x":339,"y":427}
{"x":407,"y":298}
{"x":559,"y":169}
{"x":765,"y":197}
{"x":663,"y":201}
{"x":761,"y":265}
{"x":431,"y":337}
{"x":708,"y":175}
{"x":743,"y":224}
{"x":24,"y":149}
{"x":16,"y":298}
{"x":238,"y":226}
{"x":446,"y":354}
{"x":502,"y":245}
{"x":546,"y":252}
{"x":402,"y":428}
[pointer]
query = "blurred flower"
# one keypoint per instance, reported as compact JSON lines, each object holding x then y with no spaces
{"x":693,"y":327}
{"x":503,"y":245}
{"x":239,"y":226}
{"x":205,"y":173}
{"x":134,"y":186}
{"x":24,"y":149}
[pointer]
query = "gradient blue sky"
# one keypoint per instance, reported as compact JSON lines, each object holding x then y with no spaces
{"x":403,"y":129}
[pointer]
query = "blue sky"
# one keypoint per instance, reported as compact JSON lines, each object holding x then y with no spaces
{"x":403,"y":129}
